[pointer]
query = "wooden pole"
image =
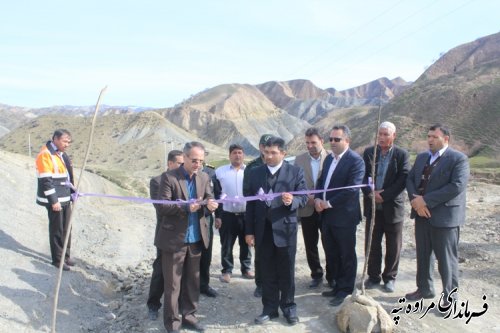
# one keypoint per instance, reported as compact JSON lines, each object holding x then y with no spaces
{"x":66,"y":237}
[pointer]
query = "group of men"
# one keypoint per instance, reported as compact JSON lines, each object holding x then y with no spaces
{"x":436,"y":187}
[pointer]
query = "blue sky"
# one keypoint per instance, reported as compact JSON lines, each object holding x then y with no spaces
{"x":157,"y":53}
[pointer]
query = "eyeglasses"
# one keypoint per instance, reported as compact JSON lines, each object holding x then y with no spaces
{"x":196,"y":161}
{"x":335,"y":139}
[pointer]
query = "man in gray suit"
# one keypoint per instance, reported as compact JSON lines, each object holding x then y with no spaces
{"x":312,"y":163}
{"x":436,"y":187}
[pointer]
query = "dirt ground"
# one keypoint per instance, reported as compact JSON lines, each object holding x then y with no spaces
{"x":112,"y":245}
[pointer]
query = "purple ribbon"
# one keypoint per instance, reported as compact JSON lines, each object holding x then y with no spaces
{"x":262,"y":196}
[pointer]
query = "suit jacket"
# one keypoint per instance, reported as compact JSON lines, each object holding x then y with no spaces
{"x":346,"y":210}
{"x":174,"y":218}
{"x":394,"y":184}
{"x":154,"y":188}
{"x":446,"y":190}
{"x":304,"y":161}
{"x":283,"y":218}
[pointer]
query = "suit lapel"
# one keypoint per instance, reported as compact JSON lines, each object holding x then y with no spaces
{"x":391,"y":168}
{"x":308,"y":171}
{"x":200,"y":186}
{"x":340,"y":164}
{"x":282,"y":177}
{"x":183,"y":183}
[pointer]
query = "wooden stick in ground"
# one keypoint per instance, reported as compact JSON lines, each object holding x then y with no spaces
{"x":374,"y":207}
{"x":66,"y":237}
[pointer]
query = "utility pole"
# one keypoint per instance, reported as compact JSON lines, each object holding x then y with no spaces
{"x":29,"y":144}
{"x":165,"y":153}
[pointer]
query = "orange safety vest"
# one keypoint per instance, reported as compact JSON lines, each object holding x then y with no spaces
{"x":53,"y":173}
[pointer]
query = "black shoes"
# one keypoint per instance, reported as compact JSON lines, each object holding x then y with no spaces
{"x":389,"y":286}
{"x":371,"y":284}
{"x":418,"y":295}
{"x":292,"y":319}
{"x":209,"y":292}
{"x":315,"y":283}
{"x":65,"y":266}
{"x":193,"y":326}
{"x":329,"y":293}
{"x":69,"y":262}
{"x":264,"y":318}
{"x":337,"y":300}
{"x":152,"y":314}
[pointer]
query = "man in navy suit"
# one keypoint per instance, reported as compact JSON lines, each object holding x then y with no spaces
{"x":340,"y":212}
{"x":272,"y":226}
{"x":436,"y":186}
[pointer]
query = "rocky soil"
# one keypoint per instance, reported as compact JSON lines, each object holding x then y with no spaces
{"x":112,"y":245}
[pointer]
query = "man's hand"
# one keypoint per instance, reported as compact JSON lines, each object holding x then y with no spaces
{"x":250,"y":240}
{"x":287,"y":198}
{"x":420,"y":206}
{"x":56,"y":207}
{"x":217,"y":223}
{"x":418,"y":202}
{"x":378,"y":197}
{"x":320,"y":205}
{"x":424,"y":212}
{"x":212,"y":205}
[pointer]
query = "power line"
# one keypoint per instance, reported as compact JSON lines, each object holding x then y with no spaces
{"x":392,"y":43}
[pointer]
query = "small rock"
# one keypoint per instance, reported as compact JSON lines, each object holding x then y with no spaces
{"x":110,"y":316}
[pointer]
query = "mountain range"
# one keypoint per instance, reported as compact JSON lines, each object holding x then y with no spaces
{"x":461,"y":89}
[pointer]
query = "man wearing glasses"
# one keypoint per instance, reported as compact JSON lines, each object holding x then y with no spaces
{"x":340,"y":211}
{"x":182,"y":235}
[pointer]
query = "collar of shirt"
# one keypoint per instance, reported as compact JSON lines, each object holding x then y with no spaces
{"x":340,"y":156}
{"x":186,"y":174}
{"x":273,"y":169}
{"x":54,"y":147}
{"x":242,"y":167}
{"x":439,"y":152}
{"x":379,"y":151}
{"x":316,"y":159}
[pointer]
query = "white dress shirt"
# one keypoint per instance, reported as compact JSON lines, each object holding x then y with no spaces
{"x":231,"y":182}
{"x":335,"y":161}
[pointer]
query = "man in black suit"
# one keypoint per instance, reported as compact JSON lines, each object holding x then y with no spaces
{"x":272,"y":226}
{"x":340,"y":211}
{"x":437,"y":185}
{"x":391,"y":169}
{"x":174,"y":160}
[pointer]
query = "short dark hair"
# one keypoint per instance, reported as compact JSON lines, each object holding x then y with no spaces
{"x":190,"y":145}
{"x":446,"y":131}
{"x":313,"y":131}
{"x":276,"y":141}
{"x":172,"y":155}
{"x":60,"y":132}
{"x":235,"y":146}
{"x":343,"y":128}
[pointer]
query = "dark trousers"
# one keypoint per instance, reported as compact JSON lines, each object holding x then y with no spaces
{"x":393,"y":243}
{"x":311,"y":231}
{"x":181,"y":274}
{"x":444,"y":243}
{"x":58,"y":227}
{"x":340,"y":249}
{"x":206,"y":258}
{"x":156,"y":285}
{"x":278,"y":275}
{"x":232,"y":228}
{"x":256,"y":267}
